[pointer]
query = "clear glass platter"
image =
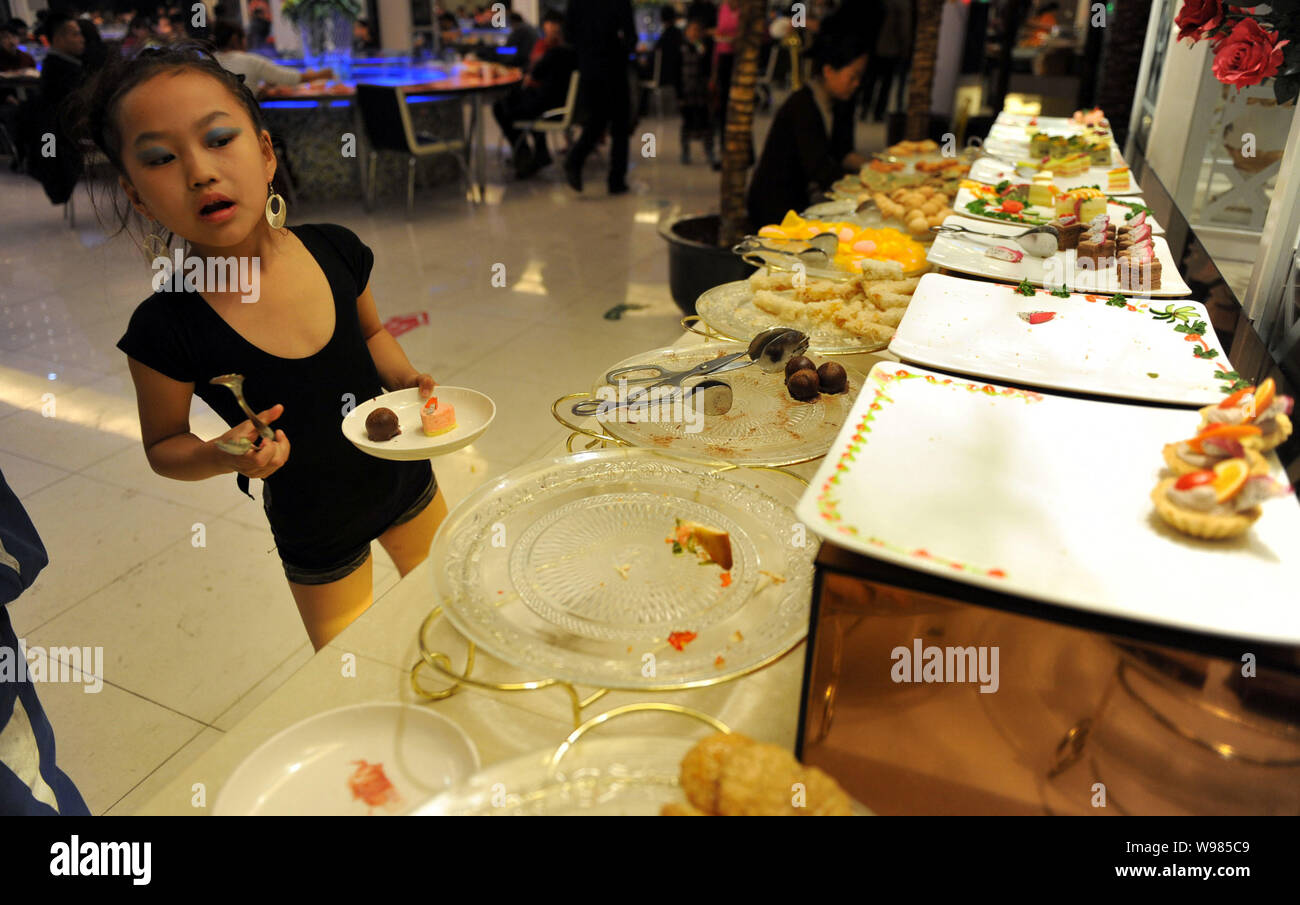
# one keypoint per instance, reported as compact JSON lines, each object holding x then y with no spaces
{"x":563,"y":567}
{"x":627,"y":776}
{"x":765,"y":426}
{"x":729,"y":310}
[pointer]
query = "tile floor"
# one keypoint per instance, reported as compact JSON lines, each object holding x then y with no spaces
{"x":195,"y":636}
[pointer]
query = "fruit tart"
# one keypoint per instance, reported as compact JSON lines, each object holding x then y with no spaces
{"x":1215,"y":444}
{"x":1217,"y":503}
{"x":1260,"y":406}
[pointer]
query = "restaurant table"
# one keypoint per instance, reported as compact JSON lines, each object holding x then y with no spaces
{"x":383,"y":641}
{"x":1154,"y":719}
{"x":470,"y":83}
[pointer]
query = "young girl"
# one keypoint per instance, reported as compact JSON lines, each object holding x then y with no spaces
{"x":193,"y":158}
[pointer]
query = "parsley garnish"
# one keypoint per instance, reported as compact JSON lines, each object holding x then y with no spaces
{"x":1198,"y":328}
{"x":1026,"y":288}
{"x":1117,"y":301}
{"x":1237,"y":381}
{"x":1152,"y":374}
{"x":1206,"y":353}
{"x":1134,"y":208}
{"x":1061,"y":293}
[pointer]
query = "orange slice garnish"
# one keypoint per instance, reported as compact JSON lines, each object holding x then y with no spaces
{"x":1223,"y":431}
{"x":1265,"y":394}
{"x":1229,"y":475}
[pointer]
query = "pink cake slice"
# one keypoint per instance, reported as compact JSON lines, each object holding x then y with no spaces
{"x":437,"y":419}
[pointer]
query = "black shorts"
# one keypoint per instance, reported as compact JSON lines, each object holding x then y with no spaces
{"x":346,"y":563}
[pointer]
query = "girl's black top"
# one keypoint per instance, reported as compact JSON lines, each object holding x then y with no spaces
{"x":329,"y":495}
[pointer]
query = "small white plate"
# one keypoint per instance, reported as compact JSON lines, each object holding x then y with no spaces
{"x":474,"y":412}
{"x":964,"y":256}
{"x":1116,"y":212}
{"x":991,"y":172}
{"x":1048,"y":498}
{"x":305,"y":770}
{"x":1132,"y":351}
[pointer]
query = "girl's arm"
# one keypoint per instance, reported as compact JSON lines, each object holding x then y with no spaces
{"x":395,"y":370}
{"x":175,"y":452}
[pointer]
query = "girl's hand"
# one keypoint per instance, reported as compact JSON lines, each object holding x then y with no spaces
{"x":425,"y":382}
{"x":263,"y":460}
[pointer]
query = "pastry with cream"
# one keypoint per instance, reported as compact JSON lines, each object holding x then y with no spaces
{"x":1217,"y":503}
{"x":1260,"y":406}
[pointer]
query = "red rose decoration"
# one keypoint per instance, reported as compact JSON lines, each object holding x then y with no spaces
{"x":1248,"y":55}
{"x":1197,"y":18}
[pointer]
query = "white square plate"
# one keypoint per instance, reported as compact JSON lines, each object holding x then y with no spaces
{"x":1132,"y":350}
{"x":1116,"y":212}
{"x":1046,"y":497}
{"x":963,"y":256}
{"x":991,"y":172}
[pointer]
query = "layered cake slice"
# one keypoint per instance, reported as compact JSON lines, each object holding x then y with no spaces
{"x":437,"y":418}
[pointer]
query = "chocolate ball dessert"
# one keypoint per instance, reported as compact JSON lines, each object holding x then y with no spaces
{"x":833,"y":378}
{"x":381,"y":424}
{"x":803,"y":385}
{"x":797,"y":364}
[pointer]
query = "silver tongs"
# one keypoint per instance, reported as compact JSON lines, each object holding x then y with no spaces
{"x":821,"y":248}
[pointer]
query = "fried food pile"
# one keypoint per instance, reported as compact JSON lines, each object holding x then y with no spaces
{"x":735,"y":776}
{"x":870,"y":306}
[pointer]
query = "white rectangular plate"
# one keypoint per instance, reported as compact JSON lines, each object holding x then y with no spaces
{"x":1116,"y":212}
{"x":1048,"y":498}
{"x":991,"y":172}
{"x":974,"y":327}
{"x":964,"y":257}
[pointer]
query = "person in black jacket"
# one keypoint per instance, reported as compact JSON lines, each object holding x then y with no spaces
{"x":62,"y":74}
{"x":810,"y":143}
{"x":603,"y":33}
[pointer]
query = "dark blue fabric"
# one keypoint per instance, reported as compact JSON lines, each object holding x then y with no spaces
{"x":20,"y":541}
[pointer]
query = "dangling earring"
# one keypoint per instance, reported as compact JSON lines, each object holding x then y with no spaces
{"x":155,"y":246}
{"x":276,"y":209}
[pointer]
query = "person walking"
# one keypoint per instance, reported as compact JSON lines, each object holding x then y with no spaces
{"x":604,"y":36}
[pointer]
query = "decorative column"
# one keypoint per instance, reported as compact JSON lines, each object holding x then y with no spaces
{"x":287,"y":40}
{"x":394,"y":24}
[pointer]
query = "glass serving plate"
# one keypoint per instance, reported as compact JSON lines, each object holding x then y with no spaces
{"x":628,"y":776}
{"x":729,"y":311}
{"x":765,"y":426}
{"x":563,"y":567}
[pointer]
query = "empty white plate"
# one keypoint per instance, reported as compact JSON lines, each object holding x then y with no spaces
{"x":474,"y":412}
{"x":375,"y":758}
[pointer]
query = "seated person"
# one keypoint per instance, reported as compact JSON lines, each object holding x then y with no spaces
{"x":138,"y":34}
{"x":523,"y":38}
{"x":256,"y":69}
{"x":62,"y":74}
{"x":448,"y":31}
{"x":544,"y":88}
{"x":810,"y":143}
{"x":12,"y":58}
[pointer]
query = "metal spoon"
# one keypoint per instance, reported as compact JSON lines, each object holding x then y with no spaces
{"x":1040,"y":241}
{"x":235,"y":383}
{"x":1025,"y":172}
{"x":824,"y":246}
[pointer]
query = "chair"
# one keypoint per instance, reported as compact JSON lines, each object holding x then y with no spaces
{"x":386,"y":119}
{"x":558,"y":119}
